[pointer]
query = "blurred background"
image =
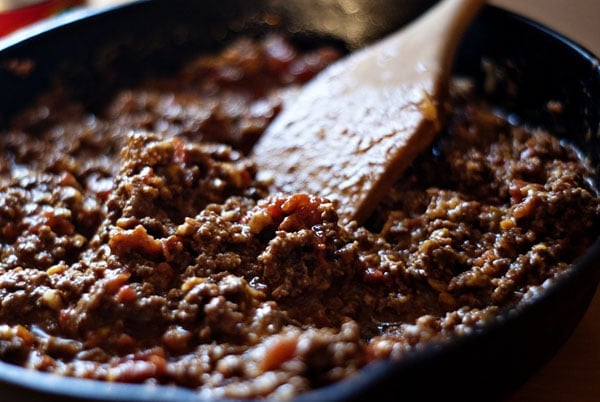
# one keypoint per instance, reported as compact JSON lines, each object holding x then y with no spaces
{"x":578,"y":19}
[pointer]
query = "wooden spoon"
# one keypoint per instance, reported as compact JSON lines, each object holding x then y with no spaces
{"x":359,"y":124}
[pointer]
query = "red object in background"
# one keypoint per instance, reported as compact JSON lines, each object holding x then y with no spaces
{"x":19,"y":16}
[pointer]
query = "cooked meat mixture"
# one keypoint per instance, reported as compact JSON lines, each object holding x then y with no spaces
{"x":138,"y":244}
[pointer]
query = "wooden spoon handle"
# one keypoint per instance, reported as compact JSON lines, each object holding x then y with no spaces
{"x":424,"y":49}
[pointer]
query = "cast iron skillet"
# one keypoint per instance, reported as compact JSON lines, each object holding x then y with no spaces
{"x":98,"y":51}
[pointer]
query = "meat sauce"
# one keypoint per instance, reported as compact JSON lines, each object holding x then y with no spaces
{"x":138,"y":243}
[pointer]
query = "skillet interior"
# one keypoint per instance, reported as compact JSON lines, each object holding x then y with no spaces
{"x":107,"y":49}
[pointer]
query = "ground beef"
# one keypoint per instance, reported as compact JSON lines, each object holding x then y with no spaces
{"x":137,"y":243}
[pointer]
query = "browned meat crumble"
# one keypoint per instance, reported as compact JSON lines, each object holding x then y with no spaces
{"x":138,"y":245}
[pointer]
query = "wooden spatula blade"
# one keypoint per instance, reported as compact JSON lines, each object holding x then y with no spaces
{"x":360,"y":123}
